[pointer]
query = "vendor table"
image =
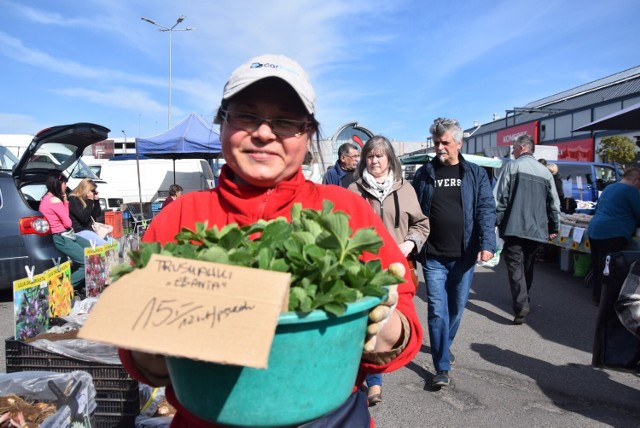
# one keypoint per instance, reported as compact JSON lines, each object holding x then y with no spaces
{"x":574,"y":233}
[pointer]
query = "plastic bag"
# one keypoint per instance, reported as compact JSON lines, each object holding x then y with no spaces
{"x":80,"y":349}
{"x":35,"y":386}
{"x":150,"y":398}
{"x":496,"y":257}
{"x":157,"y":422}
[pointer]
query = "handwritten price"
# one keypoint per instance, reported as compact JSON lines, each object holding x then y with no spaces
{"x":171,"y":312}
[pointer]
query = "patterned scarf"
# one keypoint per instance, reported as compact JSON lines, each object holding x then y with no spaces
{"x":379,"y":190}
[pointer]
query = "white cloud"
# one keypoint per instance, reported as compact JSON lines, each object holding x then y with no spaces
{"x":12,"y":123}
{"x":123,"y":98}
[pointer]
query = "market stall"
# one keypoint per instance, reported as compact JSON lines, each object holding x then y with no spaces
{"x":574,"y":233}
{"x":48,"y":313}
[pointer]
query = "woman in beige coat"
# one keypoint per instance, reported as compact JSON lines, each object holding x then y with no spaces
{"x":378,"y":178}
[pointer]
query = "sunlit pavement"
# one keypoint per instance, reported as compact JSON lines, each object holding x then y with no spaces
{"x":535,"y":374}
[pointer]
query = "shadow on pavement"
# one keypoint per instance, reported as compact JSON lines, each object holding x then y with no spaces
{"x":570,"y":387}
{"x":498,"y":319}
{"x":561,"y":308}
{"x":423,"y":373}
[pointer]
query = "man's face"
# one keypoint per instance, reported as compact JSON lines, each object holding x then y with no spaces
{"x":349,"y":161}
{"x":447,"y":149}
{"x":517,"y":151}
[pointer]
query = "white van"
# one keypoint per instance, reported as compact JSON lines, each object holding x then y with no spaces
{"x":156,"y":175}
{"x":54,"y":153}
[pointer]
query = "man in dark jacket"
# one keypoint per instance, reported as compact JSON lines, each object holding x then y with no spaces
{"x":342,"y":172}
{"x":456,"y":196}
{"x":528,"y":213}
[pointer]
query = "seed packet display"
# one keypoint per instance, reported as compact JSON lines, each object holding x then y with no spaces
{"x":98,"y":263}
{"x":112,"y":256}
{"x":60,"y":290}
{"x":31,"y":306}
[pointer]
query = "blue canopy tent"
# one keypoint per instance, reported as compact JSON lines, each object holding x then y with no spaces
{"x":191,"y":138}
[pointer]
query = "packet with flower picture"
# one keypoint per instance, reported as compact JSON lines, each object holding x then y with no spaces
{"x":98,"y":263}
{"x":60,"y":290}
{"x":31,"y":306}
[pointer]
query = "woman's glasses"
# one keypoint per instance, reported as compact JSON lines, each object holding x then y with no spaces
{"x":280,"y":127}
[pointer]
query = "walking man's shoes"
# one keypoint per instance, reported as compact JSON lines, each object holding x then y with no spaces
{"x":441,"y":378}
{"x":452,"y":358}
{"x":521,"y":316}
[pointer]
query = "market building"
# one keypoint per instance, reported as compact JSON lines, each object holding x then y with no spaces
{"x":553,"y":120}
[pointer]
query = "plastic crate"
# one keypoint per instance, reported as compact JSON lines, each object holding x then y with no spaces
{"x":113,"y":421}
{"x":117,"y":394}
{"x":118,"y":402}
{"x":114,"y":218}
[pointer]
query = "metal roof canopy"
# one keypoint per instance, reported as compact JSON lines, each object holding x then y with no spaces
{"x":627,"y":118}
{"x":478,"y":160}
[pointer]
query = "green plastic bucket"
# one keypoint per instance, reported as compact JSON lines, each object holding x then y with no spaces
{"x":312,"y":368}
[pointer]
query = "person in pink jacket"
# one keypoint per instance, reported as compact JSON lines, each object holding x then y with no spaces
{"x":55,"y":208}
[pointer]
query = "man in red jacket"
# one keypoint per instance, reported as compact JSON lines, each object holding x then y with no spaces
{"x":267,"y":123}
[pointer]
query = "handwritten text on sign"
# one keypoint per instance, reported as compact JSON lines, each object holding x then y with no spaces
{"x":188,"y":308}
{"x":175,"y":313}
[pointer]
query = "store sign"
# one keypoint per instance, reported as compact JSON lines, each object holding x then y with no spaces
{"x":579,"y":150}
{"x":102,"y":149}
{"x":507,"y":136}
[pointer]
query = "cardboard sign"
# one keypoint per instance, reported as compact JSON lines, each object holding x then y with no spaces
{"x":187,"y":308}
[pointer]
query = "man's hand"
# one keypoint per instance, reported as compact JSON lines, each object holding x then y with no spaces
{"x":552,"y":236}
{"x":407,"y":247}
{"x":484,"y":256}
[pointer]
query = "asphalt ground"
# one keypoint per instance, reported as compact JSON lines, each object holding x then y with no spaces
{"x":537,"y":374}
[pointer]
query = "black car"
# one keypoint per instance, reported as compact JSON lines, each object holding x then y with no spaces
{"x":25,"y":238}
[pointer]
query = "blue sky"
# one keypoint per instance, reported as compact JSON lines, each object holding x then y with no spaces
{"x":392,"y":66}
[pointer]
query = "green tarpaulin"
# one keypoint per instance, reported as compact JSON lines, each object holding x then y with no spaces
{"x":426,"y":157}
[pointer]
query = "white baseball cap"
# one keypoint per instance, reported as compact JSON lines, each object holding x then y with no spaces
{"x":269,"y":65}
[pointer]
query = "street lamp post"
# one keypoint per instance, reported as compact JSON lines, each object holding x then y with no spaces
{"x":124,"y":147}
{"x":170,"y":30}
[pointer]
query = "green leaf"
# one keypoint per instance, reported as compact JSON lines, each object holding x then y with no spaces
{"x":364,"y":240}
{"x":232,"y":238}
{"x":276,"y":232}
{"x":265,"y":255}
{"x":336,"y":309}
{"x":121,"y":270}
{"x":214,"y":254}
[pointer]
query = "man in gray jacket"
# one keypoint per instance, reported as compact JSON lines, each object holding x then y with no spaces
{"x":527,"y":214}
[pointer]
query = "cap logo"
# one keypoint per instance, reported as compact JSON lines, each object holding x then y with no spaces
{"x":260,"y":65}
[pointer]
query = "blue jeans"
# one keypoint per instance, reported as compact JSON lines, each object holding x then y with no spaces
{"x":374,"y":379}
{"x":90,"y":235}
{"x":448,"y":282}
